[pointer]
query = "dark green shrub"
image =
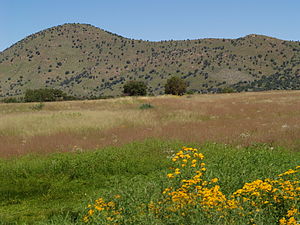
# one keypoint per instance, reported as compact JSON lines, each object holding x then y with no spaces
{"x":146,"y":106}
{"x":228,"y":90}
{"x":11,"y":100}
{"x":135,"y":88}
{"x":191,"y":92}
{"x":44,"y":95}
{"x":175,"y":86}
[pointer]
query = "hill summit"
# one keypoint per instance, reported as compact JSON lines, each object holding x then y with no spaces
{"x":85,"y":61}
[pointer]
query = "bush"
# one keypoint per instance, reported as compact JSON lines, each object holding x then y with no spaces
{"x":44,"y":95}
{"x":228,"y":90}
{"x":11,"y":100}
{"x":175,"y":86}
{"x":146,"y":106}
{"x":135,"y":88}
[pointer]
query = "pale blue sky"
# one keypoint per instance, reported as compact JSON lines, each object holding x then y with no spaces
{"x":154,"y":19}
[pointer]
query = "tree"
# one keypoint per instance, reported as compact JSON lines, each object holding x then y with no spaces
{"x":44,"y":95}
{"x":135,"y":88}
{"x":175,"y":86}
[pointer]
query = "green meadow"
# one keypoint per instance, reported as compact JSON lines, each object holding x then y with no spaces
{"x":57,"y":188}
{"x":111,"y":161}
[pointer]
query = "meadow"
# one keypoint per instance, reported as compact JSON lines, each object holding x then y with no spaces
{"x":58,"y":158}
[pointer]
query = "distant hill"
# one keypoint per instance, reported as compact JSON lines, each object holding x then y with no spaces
{"x":84,"y":61}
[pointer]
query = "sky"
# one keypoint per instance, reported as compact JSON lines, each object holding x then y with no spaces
{"x":154,"y":20}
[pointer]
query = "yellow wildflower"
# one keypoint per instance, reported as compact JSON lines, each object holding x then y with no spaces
{"x":214,"y":180}
{"x":290,"y":171}
{"x":91,"y":212}
{"x":170,"y":175}
{"x":117,"y":196}
{"x":292,"y":212}
{"x":177,"y":171}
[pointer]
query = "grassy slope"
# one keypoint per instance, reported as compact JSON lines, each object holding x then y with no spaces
{"x":57,"y":188}
{"x":84,"y":60}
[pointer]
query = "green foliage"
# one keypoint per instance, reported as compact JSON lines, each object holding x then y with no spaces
{"x":135,"y":88}
{"x":44,"y":95}
{"x":59,"y":184}
{"x":191,"y":92}
{"x":11,"y":100}
{"x":56,"y":189}
{"x":228,"y":90}
{"x":146,"y":106}
{"x":175,"y":86}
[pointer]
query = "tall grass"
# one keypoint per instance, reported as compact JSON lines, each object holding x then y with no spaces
{"x":47,"y":122}
{"x":56,"y":189}
{"x":240,"y":119}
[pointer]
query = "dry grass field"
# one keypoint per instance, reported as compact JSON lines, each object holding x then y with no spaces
{"x":238,"y":119}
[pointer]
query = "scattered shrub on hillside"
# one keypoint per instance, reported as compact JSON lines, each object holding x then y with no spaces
{"x":175,"y":86}
{"x":228,"y":90}
{"x":191,"y":92}
{"x":135,"y":88}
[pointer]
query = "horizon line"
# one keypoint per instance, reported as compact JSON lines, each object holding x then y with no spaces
{"x":145,"y":40}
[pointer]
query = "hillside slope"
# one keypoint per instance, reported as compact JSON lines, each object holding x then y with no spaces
{"x":86,"y":61}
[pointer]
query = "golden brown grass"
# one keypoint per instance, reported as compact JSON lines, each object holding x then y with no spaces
{"x":239,"y":119}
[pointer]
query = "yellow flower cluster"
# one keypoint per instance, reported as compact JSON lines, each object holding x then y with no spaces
{"x":190,"y":189}
{"x":290,"y":217}
{"x":108,"y":211}
{"x":270,"y":192}
{"x":193,"y":189}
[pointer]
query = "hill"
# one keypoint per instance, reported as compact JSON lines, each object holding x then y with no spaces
{"x":85,"y":61}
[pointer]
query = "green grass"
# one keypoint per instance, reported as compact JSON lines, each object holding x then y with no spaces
{"x":56,"y":189}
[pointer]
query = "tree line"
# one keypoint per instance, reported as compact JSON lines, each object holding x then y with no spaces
{"x":174,"y":86}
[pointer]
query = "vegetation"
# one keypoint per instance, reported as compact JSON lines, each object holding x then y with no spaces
{"x":192,"y":197}
{"x":228,"y":90}
{"x":58,"y":188}
{"x":45,"y":95}
{"x":238,"y":119}
{"x":38,"y":106}
{"x":175,"y":86}
{"x":273,"y":82}
{"x":100,"y":63}
{"x":146,"y":106}
{"x":135,"y":88}
{"x":12,"y":100}
{"x":245,"y":145}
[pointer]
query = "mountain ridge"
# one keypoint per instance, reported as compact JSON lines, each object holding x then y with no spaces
{"x":137,"y":39}
{"x":86,"y":61}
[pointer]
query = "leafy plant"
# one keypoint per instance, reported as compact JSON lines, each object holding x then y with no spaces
{"x":175,"y":86}
{"x":11,"y":100}
{"x":146,"y":106}
{"x":44,"y":95}
{"x":135,"y":88}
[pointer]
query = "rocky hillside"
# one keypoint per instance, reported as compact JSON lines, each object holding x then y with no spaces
{"x":86,"y":61}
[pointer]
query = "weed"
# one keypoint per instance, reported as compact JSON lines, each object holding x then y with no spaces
{"x":38,"y":106}
{"x":146,"y":106}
